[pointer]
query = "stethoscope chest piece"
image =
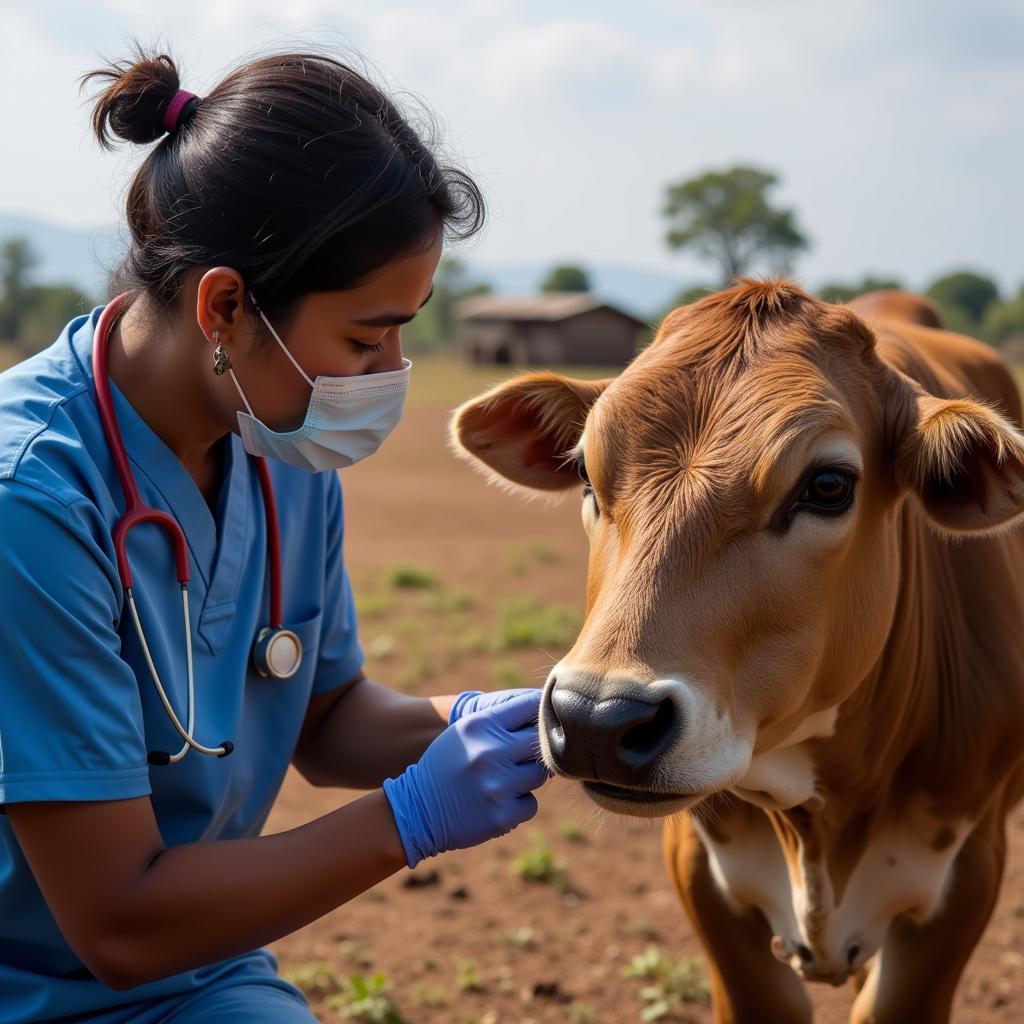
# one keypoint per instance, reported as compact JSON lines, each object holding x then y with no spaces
{"x":277,"y":653}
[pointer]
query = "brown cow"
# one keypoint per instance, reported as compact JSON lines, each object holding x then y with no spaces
{"x":803,"y":626}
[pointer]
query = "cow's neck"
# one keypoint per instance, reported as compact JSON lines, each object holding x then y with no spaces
{"x":940,"y":715}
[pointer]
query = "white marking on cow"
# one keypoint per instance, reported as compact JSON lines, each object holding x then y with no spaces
{"x":900,"y":872}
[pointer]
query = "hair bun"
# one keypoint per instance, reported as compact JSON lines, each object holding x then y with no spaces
{"x":132,"y":105}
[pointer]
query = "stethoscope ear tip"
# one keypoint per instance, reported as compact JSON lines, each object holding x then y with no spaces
{"x":228,"y":747}
{"x":158,"y":757}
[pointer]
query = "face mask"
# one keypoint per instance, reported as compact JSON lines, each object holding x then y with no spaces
{"x":347,"y":418}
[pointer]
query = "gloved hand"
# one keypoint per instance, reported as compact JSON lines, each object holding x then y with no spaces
{"x":472,"y":783}
{"x":476,"y":700}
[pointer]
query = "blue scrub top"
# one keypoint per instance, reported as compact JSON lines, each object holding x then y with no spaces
{"x":78,"y":709}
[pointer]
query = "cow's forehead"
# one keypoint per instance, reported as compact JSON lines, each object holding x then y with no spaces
{"x":669,"y":415}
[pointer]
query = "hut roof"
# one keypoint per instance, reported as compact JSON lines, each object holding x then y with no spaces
{"x":548,"y":306}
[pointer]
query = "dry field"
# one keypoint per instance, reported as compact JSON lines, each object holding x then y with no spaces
{"x":570,"y":918}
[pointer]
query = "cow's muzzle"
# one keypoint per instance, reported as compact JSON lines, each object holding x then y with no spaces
{"x":614,"y":740}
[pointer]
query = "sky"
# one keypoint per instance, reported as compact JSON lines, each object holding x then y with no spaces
{"x":894,"y":126}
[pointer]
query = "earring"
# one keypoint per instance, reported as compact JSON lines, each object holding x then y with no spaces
{"x":221,"y":361}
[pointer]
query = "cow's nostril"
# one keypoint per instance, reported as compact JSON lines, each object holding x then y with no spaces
{"x":616,"y":740}
{"x":648,"y":736}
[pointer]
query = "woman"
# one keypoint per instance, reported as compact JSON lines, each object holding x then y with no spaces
{"x":283,"y":228}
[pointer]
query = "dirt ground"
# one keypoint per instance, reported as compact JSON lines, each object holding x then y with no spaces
{"x":462,"y":586}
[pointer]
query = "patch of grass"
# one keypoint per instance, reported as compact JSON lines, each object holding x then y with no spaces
{"x":411,"y":577}
{"x":672,"y":983}
{"x":525,"y":622}
{"x":448,"y":600}
{"x":508,"y":673}
{"x":468,"y":977}
{"x":374,"y":606}
{"x":367,"y":999}
{"x":539,"y":864}
{"x":314,"y":979}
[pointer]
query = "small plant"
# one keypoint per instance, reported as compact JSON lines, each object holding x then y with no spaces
{"x":539,"y":864}
{"x":366,"y":999}
{"x":672,"y":983}
{"x":572,"y":831}
{"x":467,"y":976}
{"x":411,"y":577}
{"x":581,"y":1013}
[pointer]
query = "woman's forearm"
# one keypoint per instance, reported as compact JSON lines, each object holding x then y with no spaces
{"x":200,"y":903}
{"x":372,"y":733}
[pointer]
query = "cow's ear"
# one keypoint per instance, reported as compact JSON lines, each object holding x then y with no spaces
{"x":522,"y":431}
{"x":963,"y":459}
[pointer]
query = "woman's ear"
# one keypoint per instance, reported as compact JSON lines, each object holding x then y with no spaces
{"x":522,"y":430}
{"x":962,"y":459}
{"x":220,"y":298}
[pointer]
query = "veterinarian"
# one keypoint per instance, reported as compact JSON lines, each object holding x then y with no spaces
{"x":176,"y":613}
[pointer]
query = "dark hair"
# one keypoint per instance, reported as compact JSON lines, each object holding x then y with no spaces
{"x":295,"y":170}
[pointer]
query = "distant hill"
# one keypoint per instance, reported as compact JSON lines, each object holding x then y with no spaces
{"x":78,"y":256}
{"x":85,"y":257}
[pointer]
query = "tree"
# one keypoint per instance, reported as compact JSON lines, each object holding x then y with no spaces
{"x":16,"y":261}
{"x":1004,"y":320}
{"x":566,"y":277}
{"x":839,"y":291}
{"x":964,"y":297}
{"x":726,"y":216}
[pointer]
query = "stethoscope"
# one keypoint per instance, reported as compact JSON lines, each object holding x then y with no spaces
{"x":276,"y":651}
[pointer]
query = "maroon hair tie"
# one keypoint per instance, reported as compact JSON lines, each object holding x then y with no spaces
{"x":172,"y":115}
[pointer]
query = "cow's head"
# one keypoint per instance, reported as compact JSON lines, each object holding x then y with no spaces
{"x":742,"y":481}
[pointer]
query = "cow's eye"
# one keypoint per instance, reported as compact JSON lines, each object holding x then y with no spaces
{"x":588,"y":487}
{"x":829,"y":491}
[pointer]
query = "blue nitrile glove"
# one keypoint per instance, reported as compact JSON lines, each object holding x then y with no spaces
{"x":472,"y":783}
{"x":476,"y":700}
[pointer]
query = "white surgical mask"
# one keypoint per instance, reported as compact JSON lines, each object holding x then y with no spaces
{"x":347,"y":418}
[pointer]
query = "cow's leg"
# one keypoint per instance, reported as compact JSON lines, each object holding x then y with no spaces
{"x":748,"y":985}
{"x":915,"y":974}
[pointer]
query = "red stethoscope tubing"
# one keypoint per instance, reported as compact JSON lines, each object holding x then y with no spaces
{"x":136,"y":510}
